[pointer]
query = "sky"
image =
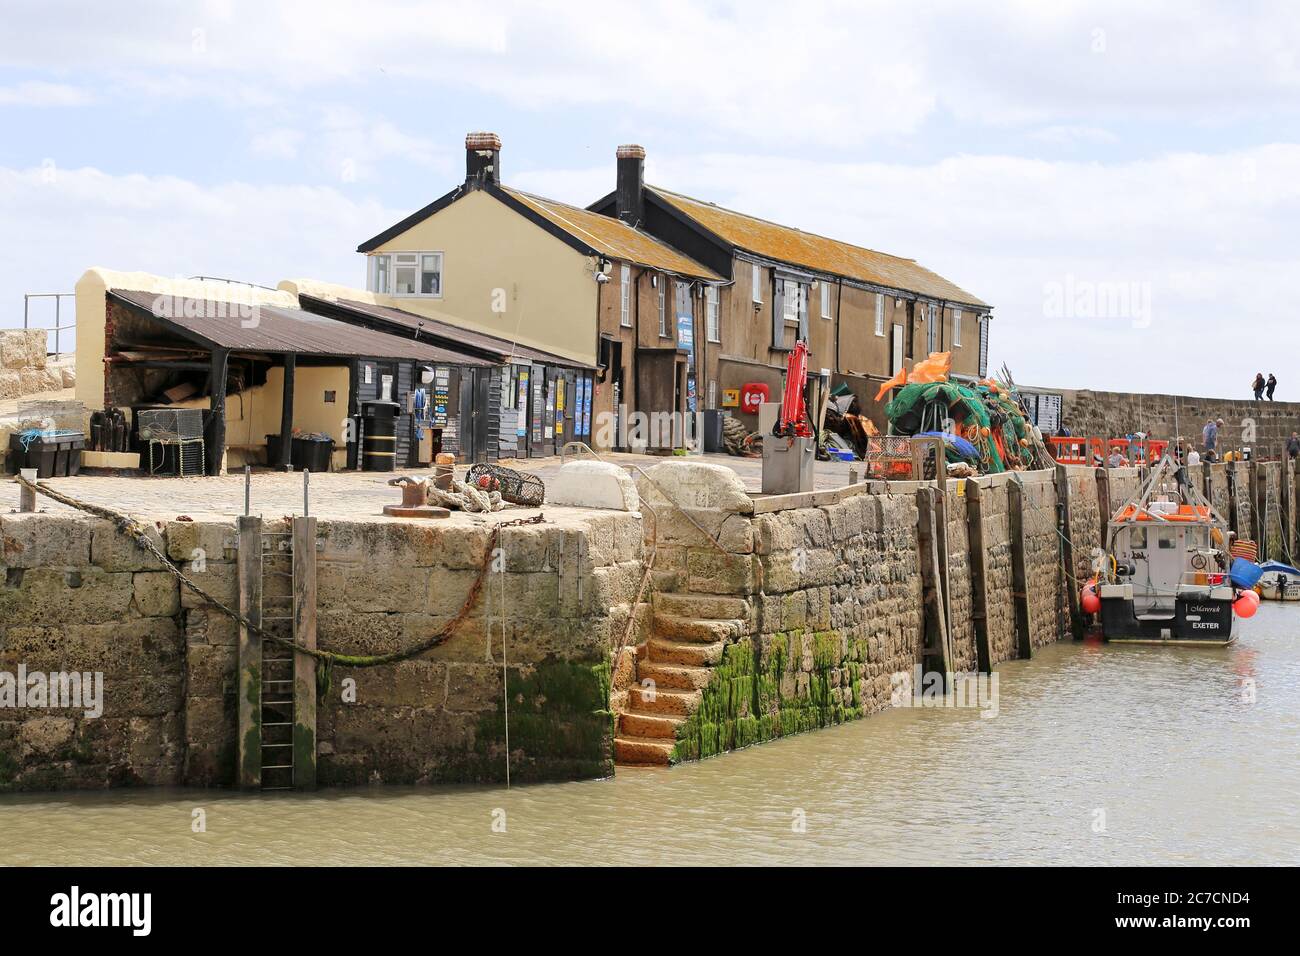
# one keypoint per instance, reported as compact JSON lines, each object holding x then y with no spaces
{"x":1121,"y":181}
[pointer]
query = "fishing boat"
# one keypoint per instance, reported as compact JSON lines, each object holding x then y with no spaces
{"x":1278,"y":582}
{"x":1166,"y":577}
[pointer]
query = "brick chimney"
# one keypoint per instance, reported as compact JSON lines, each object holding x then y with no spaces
{"x":629,"y":202}
{"x":482,"y":159}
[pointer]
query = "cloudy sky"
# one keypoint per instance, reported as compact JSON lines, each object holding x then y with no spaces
{"x":1121,"y":181}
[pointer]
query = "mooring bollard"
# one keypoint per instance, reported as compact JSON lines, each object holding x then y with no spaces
{"x":26,"y":496}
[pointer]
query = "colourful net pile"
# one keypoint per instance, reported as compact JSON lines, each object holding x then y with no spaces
{"x":986,"y":414}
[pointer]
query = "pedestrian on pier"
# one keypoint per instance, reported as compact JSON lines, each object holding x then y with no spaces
{"x":1272,"y":384}
{"x":1293,"y":446}
{"x":1210,"y":437}
{"x":1258,"y":386}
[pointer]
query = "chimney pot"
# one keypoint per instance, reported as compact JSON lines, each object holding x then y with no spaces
{"x":629,"y":196}
{"x":482,"y":159}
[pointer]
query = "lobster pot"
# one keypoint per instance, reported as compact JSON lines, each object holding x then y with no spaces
{"x":379,"y":443}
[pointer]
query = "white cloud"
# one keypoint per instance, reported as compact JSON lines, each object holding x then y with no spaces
{"x":36,"y":93}
{"x":849,"y":72}
{"x":74,"y":219}
{"x":277,"y":143}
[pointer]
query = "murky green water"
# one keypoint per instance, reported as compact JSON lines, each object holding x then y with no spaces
{"x":1160,"y":741}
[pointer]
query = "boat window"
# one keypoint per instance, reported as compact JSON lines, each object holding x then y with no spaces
{"x":1138,"y":539}
{"x":1197,"y":538}
{"x":1166,"y":539}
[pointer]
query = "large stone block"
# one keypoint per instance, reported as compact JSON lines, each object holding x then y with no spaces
{"x":23,"y":348}
{"x":593,"y":484}
{"x":112,"y":550}
{"x":207,"y":541}
{"x":39,"y":540}
{"x":157,"y":593}
{"x":693,"y":484}
{"x":49,"y":596}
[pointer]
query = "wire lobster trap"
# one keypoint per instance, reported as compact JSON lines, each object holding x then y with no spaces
{"x":174,"y":438}
{"x":889,"y":457}
{"x":515,"y":487}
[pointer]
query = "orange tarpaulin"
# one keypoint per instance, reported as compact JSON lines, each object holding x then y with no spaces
{"x":932,"y":369}
{"x":900,"y":378}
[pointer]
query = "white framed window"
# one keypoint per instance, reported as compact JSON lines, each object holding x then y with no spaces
{"x":956,"y":328}
{"x":713,"y":326}
{"x":407,"y":273}
{"x":758,"y":283}
{"x":826,"y":299}
{"x":713,"y":395}
{"x":792,"y":300}
{"x":880,"y":314}
{"x":931,"y":338}
{"x":663,"y":312}
{"x":625,"y":296}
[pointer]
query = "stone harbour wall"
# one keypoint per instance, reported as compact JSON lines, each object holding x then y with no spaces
{"x":76,"y":595}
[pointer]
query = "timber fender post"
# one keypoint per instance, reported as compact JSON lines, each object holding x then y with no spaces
{"x":1067,"y":551}
{"x":304,"y":665}
{"x":936,"y":652}
{"x":1103,"y":503}
{"x":249,"y":735}
{"x":978,"y":582}
{"x":1019,"y":574}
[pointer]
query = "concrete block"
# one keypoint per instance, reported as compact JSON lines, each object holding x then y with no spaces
{"x":38,"y":540}
{"x":593,"y":484}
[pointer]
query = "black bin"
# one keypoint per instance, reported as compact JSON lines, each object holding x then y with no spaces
{"x":311,"y":454}
{"x":712,"y":424}
{"x":379,"y":444}
{"x":53,"y":456}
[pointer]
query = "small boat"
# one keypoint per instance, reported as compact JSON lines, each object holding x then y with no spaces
{"x":1279,"y":582}
{"x":1166,"y":577}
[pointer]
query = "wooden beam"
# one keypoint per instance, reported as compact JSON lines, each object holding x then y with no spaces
{"x":935,"y":649}
{"x":286,"y":411}
{"x":978,"y":579}
{"x":304,"y":667}
{"x":249,"y":734}
{"x":1067,"y":551}
{"x":215,"y":439}
{"x":1019,"y":574}
{"x":1103,"y":503}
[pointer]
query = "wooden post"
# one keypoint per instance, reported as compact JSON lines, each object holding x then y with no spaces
{"x":1019,"y":575}
{"x":1103,"y":503}
{"x":1259,"y":510}
{"x":978,"y":580}
{"x":215,"y":444}
{"x":286,"y":411}
{"x":1067,"y":551}
{"x":941,"y":541}
{"x":304,"y":667}
{"x":249,"y":736}
{"x":936,"y":650}
{"x":27,"y":497}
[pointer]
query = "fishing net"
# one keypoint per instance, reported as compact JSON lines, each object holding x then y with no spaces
{"x":986,"y":416}
{"x":515,"y":487}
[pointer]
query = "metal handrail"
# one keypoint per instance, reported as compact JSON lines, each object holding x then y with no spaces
{"x":58,"y":298}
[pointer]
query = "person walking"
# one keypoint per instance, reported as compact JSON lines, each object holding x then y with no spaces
{"x":1210,"y":437}
{"x":1293,"y":446}
{"x":1258,"y":386}
{"x":1272,"y":384}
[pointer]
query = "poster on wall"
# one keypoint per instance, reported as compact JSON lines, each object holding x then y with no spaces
{"x":441,"y":395}
{"x":584,"y":406}
{"x":559,"y":408}
{"x":550,"y":410}
{"x":538,"y":408}
{"x":686,"y":340}
{"x":521,"y":429}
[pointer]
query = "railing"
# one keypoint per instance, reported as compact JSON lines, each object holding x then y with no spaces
{"x":1090,"y":451}
{"x":58,"y":298}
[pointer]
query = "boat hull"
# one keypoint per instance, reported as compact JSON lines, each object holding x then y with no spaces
{"x":1195,"y":622}
{"x":1275,"y":592}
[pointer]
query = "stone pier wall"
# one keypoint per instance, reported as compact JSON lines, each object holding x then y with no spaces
{"x":76,"y":595}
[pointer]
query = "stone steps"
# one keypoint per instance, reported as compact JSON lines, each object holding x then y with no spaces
{"x":663,"y":651}
{"x":696,"y":630}
{"x":664,"y":700}
{"x":675,"y":676}
{"x":701,"y":607}
{"x":634,"y":723}
{"x":643,"y":751}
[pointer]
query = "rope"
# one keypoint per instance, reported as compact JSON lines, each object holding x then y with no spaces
{"x":131,"y":528}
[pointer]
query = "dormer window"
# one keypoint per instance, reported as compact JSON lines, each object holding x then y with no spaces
{"x":407,"y":274}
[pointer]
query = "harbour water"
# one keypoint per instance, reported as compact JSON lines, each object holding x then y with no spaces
{"x":1097,"y":755}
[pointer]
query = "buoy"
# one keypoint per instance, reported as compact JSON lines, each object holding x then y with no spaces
{"x":1088,"y":598}
{"x":1247,"y":604}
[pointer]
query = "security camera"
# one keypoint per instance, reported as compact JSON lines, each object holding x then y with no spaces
{"x":602,"y":278}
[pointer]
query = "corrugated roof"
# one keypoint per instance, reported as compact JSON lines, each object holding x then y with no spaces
{"x":787,"y":244}
{"x":446,"y":331}
{"x":280,"y":330}
{"x":613,"y":237}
